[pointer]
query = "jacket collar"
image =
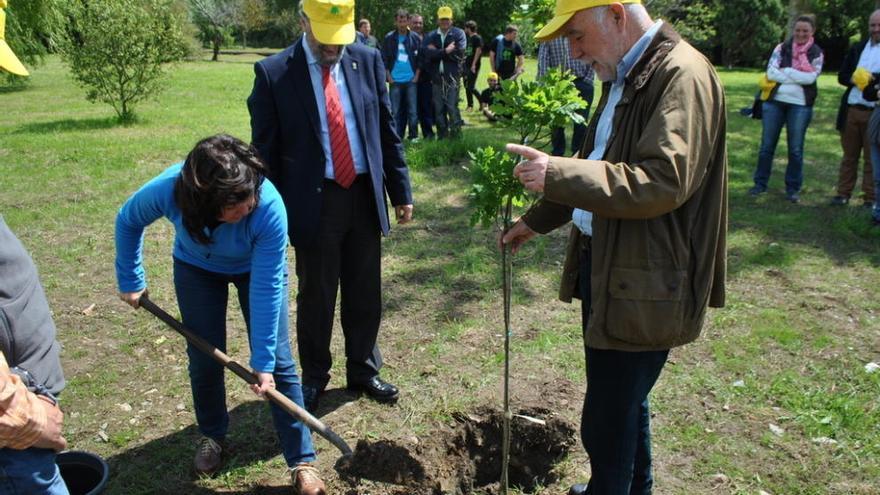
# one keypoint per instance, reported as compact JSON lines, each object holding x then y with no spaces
{"x":302,"y":83}
{"x":664,"y":41}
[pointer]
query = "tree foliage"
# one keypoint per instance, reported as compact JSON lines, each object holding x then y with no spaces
{"x":118,"y":50}
{"x":532,"y":109}
{"x":491,"y":16}
{"x":749,"y":29}
{"x":216,"y":19}
{"x":252,"y":16}
{"x":32,"y":27}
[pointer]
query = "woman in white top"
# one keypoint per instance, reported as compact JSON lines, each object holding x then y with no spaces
{"x":794,"y":66}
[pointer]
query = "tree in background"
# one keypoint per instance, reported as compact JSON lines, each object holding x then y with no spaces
{"x":118,"y":50}
{"x":252,"y":16}
{"x":695,"y":20}
{"x":216,"y":19}
{"x":492,"y":16}
{"x":31,"y":30}
{"x":839,"y":23}
{"x":749,"y":29}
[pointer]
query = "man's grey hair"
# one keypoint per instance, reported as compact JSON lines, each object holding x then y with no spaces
{"x":636,"y":11}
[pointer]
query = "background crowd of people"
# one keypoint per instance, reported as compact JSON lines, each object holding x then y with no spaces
{"x":788,"y":92}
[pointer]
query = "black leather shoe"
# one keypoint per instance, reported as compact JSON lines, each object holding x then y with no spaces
{"x":378,"y":389}
{"x":310,"y":398}
{"x":578,"y":489}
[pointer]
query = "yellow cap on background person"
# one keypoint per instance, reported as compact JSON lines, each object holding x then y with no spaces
{"x":492,"y":75}
{"x":332,"y":21}
{"x":444,"y":12}
{"x":8,"y":60}
{"x":564,"y":11}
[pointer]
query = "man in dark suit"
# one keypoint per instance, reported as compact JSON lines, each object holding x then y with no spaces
{"x":320,"y":118}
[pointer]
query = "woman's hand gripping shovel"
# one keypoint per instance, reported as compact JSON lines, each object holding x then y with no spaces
{"x":273,"y":395}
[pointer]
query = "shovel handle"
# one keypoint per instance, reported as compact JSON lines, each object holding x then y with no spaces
{"x":273,"y":395}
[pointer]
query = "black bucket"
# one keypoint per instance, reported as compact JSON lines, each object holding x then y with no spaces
{"x":83,"y":472}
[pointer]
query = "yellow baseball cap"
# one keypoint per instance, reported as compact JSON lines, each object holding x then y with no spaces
{"x":492,"y":75}
{"x":565,"y":9}
{"x":332,"y":21}
{"x":444,"y":12}
{"x":8,"y":60}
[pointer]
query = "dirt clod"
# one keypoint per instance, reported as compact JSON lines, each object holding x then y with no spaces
{"x":463,"y":459}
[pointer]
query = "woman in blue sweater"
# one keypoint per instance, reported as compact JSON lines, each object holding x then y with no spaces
{"x":230,"y":227}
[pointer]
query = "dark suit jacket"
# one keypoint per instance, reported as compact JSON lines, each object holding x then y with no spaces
{"x":452,"y":62}
{"x":844,"y":77}
{"x":285,"y":128}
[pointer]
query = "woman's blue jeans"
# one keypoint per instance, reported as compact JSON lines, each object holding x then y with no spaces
{"x":796,"y":119}
{"x":202,"y":297}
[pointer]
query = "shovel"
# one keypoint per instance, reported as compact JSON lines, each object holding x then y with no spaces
{"x":273,"y":395}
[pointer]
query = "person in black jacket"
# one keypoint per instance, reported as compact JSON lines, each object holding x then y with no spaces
{"x":852,"y":118}
{"x":444,"y":54}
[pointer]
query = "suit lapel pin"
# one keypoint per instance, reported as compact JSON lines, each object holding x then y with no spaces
{"x":354,"y":66}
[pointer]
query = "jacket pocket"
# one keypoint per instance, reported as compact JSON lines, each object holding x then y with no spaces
{"x":645,"y":307}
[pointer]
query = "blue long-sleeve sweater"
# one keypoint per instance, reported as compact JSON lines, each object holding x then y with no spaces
{"x":256,"y":244}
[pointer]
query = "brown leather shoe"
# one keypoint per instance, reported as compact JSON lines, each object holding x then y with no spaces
{"x":306,"y":480}
{"x":208,"y":456}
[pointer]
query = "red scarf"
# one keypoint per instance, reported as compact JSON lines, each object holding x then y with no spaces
{"x":799,"y":59}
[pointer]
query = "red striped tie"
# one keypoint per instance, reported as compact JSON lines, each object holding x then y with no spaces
{"x":343,"y":163}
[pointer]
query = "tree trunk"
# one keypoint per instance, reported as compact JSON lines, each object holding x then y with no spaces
{"x":217,"y":41}
{"x":796,"y":8}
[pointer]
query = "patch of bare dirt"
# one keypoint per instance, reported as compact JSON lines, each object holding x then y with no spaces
{"x":463,"y":459}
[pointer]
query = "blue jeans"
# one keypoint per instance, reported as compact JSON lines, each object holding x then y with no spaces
{"x":408,"y":92}
{"x":446,"y":114}
{"x":796,"y":118}
{"x":875,"y":158}
{"x":426,"y":106}
{"x":202,"y":298}
{"x":30,"y":472}
{"x":616,"y":418}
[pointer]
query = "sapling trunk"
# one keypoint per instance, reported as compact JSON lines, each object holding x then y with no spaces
{"x":507,"y":269}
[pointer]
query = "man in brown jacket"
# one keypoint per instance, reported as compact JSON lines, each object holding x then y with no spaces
{"x":648,"y":197}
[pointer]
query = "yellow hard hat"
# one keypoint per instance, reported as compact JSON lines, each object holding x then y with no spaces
{"x":8,"y":60}
{"x":444,"y":12}
{"x":565,"y":9}
{"x":332,"y":21}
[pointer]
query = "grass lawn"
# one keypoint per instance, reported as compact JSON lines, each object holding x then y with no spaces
{"x":788,"y":351}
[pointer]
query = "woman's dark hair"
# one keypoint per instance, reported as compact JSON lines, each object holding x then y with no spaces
{"x":808,"y":18}
{"x":219,"y":171}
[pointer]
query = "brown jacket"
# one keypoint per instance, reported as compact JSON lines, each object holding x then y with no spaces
{"x":659,"y":201}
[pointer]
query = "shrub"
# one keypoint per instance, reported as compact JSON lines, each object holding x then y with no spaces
{"x":118,"y":50}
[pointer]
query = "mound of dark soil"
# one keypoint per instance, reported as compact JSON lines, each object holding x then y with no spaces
{"x":465,"y":458}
